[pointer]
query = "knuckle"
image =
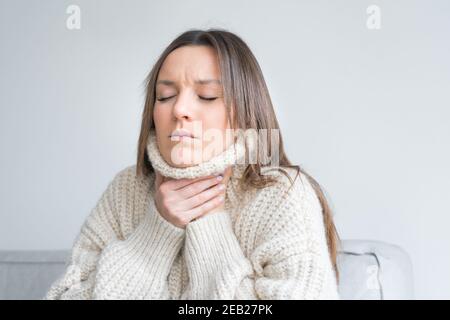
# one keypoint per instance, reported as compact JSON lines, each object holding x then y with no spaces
{"x":183,"y":220}
{"x":162,"y":188}
{"x":177,"y":219}
{"x":165,"y":203}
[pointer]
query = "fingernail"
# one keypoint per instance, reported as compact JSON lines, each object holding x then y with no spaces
{"x":219,"y":177}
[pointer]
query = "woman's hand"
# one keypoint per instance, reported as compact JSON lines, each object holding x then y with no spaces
{"x":183,"y":200}
{"x":226,"y":177}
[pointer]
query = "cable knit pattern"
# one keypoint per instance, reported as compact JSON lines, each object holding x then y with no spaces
{"x":265,"y":244}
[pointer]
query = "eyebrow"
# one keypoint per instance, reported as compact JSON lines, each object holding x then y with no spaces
{"x":201,"y":82}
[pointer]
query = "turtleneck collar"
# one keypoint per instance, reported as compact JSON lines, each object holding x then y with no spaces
{"x":232,"y":156}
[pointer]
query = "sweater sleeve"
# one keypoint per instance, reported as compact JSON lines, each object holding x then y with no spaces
{"x":105,"y":265}
{"x":290,"y":258}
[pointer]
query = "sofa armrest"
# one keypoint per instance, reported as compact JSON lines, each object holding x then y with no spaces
{"x":374,"y":270}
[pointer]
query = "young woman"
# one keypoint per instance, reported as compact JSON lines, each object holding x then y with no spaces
{"x":171,"y":229}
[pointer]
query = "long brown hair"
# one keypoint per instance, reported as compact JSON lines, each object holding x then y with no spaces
{"x":244,"y":90}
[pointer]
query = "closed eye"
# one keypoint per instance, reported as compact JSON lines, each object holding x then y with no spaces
{"x":164,"y":98}
{"x":161,"y":99}
{"x":208,"y":98}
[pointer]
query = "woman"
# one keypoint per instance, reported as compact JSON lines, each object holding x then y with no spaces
{"x":173,"y":227}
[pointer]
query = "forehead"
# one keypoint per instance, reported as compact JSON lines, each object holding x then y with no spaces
{"x":190,"y":63}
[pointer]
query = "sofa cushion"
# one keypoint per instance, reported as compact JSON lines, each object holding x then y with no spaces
{"x":368,"y":270}
{"x":28,"y":274}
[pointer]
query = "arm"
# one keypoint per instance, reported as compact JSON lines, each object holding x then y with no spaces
{"x":289,"y":258}
{"x":104,"y":265}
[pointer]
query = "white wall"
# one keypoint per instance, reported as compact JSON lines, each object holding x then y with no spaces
{"x":366,"y":112}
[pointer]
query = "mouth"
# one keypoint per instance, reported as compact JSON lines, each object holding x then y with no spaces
{"x":178,"y":135}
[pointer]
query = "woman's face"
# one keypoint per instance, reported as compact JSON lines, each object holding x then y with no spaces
{"x":189,"y":97}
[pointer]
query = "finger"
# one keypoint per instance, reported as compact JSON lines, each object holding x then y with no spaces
{"x":198,"y":187}
{"x":177,"y":184}
{"x":204,"y":208}
{"x":204,"y":196}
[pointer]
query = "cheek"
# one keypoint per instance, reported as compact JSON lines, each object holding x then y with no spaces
{"x":160,"y":114}
{"x":161,"y":118}
{"x":216,"y":118}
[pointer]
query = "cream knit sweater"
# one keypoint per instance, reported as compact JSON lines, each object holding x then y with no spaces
{"x":265,"y":244}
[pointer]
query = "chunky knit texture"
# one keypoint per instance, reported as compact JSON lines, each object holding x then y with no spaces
{"x":234,"y":154}
{"x":265,"y":244}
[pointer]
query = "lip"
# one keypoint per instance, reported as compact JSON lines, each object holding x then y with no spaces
{"x":181,"y":134}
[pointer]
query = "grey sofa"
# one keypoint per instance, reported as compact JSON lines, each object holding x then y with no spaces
{"x":368,"y":270}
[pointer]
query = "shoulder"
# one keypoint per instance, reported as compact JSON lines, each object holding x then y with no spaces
{"x":291,"y":185}
{"x":119,"y":209}
{"x":125,"y":176}
{"x":127,"y":179}
{"x":289,"y":204}
{"x":127,"y":182}
{"x":288,"y":212}
{"x":129,"y":194}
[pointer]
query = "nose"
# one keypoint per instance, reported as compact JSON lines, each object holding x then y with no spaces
{"x":182,"y":109}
